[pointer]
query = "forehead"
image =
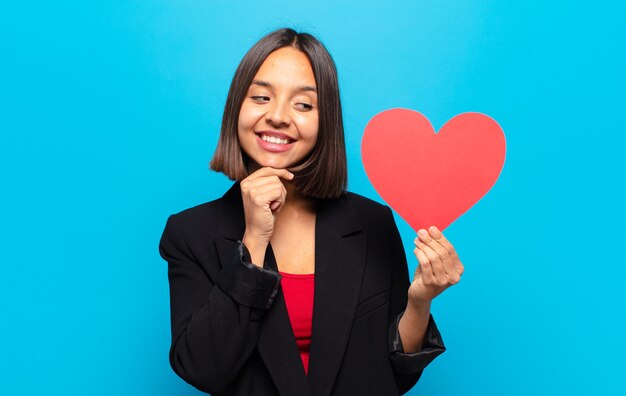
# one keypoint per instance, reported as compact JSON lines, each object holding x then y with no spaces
{"x":288,"y":66}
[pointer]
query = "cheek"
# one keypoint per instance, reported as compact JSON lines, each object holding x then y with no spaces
{"x":309,"y":127}
{"x":248,"y":117}
{"x":244,"y":122}
{"x":244,"y":131}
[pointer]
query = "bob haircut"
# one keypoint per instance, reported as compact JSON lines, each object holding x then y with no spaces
{"x":323,"y":173}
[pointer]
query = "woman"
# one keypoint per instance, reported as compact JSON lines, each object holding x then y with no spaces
{"x":245,"y":269}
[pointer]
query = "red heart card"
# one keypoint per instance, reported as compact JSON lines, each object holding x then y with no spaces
{"x":432,"y":178}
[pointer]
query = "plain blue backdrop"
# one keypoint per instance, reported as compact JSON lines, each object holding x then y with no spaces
{"x":110,"y":112}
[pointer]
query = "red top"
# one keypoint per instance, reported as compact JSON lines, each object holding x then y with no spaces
{"x":298,"y":293}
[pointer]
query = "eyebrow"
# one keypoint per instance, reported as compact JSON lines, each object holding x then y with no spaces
{"x":268,"y":85}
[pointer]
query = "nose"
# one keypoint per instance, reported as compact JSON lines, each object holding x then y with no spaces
{"x":278,"y":113}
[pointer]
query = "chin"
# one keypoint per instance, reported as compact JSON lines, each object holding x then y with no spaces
{"x":271,"y":162}
{"x":278,"y":164}
{"x":277,"y":161}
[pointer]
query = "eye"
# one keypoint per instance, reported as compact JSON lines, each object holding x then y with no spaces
{"x":304,"y":106}
{"x":260,"y":98}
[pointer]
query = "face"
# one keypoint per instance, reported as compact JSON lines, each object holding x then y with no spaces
{"x":278,"y":121}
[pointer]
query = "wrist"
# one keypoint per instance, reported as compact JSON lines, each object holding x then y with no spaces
{"x":251,"y":240}
{"x":256,"y":247}
{"x":418,"y":307}
{"x":412,"y":326}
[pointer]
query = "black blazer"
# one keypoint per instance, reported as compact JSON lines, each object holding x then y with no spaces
{"x":231,"y":333}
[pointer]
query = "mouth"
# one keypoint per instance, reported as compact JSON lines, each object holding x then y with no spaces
{"x":274,"y":142}
{"x":275,"y":137}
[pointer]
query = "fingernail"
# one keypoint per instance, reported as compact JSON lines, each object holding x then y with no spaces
{"x":422,"y":232}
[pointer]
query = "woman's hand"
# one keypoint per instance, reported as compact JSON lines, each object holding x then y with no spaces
{"x":439,"y":266}
{"x":263,"y":196}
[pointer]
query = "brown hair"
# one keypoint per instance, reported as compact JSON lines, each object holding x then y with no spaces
{"x":323,"y":174}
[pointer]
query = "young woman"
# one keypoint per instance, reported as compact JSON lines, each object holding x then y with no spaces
{"x":288,"y":284}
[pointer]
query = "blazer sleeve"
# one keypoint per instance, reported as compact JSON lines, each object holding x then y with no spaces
{"x":215,"y":323}
{"x":407,"y":367}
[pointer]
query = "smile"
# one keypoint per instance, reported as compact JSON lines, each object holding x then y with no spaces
{"x":275,"y":140}
{"x":274,"y":144}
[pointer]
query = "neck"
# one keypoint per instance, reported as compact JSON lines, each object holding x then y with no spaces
{"x":295,"y":199}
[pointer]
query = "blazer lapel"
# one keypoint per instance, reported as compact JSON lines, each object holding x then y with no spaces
{"x":340,"y":247}
{"x":276,"y":344}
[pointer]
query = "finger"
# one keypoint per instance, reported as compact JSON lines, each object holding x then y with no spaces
{"x":454,"y":277}
{"x":449,"y":264}
{"x":418,"y":272}
{"x":425,"y":237}
{"x":452,"y":267}
{"x":268,"y":171}
{"x":427,"y":272}
{"x":263,"y":183}
{"x":280,"y":201}
{"x":444,"y":255}
{"x":269,"y":195}
{"x":459,"y":267}
{"x":282,"y":198}
{"x":443,"y":241}
{"x":438,"y":269}
{"x":455,"y":265}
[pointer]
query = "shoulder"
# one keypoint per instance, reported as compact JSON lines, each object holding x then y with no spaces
{"x":368,"y":210}
{"x":198,"y":220}
{"x":362,"y":201}
{"x":197,"y":212}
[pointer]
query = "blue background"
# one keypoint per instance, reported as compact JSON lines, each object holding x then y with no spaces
{"x":110,"y":112}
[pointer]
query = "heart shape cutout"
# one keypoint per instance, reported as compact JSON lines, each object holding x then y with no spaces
{"x":432,"y":178}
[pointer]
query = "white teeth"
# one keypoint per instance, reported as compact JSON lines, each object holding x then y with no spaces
{"x":274,"y":140}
